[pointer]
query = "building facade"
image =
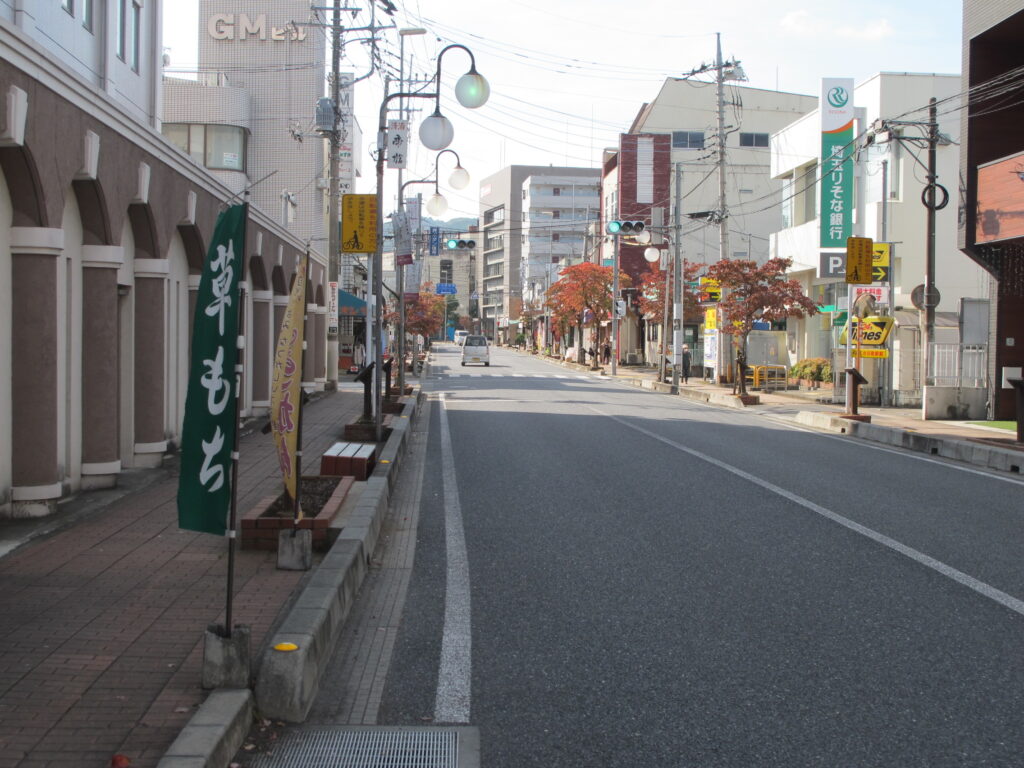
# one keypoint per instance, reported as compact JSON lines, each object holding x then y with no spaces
{"x":888,"y":209}
{"x":992,"y":170}
{"x":510,"y":225}
{"x":103,"y":231}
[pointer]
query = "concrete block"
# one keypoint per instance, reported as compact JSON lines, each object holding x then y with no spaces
{"x":227,"y":661}
{"x":288,"y":680}
{"x":295,"y":550}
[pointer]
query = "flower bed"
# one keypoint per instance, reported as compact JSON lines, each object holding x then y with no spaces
{"x":321,"y":498}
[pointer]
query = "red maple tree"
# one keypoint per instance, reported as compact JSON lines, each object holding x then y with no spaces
{"x":752,"y":292}
{"x":652,"y":294}
{"x":583,"y":297}
{"x":423,"y":315}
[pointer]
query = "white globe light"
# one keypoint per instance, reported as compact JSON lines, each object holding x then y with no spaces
{"x":643,"y":237}
{"x":437,"y":205}
{"x":459,"y":178}
{"x":472,"y":90}
{"x":436,"y":132}
{"x":652,"y":254}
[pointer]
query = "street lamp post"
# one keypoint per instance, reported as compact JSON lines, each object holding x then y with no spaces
{"x":436,"y":132}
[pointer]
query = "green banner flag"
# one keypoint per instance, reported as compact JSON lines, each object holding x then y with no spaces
{"x":208,"y":434}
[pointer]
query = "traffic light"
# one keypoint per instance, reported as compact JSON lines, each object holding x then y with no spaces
{"x":620,"y":227}
{"x":453,"y":244}
{"x":620,"y":307}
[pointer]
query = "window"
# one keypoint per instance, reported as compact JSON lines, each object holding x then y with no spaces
{"x":494,"y":216}
{"x":554,"y":237}
{"x":121,"y":31}
{"x":135,"y":30}
{"x":87,"y":14}
{"x":557,"y":192}
{"x":225,"y":147}
{"x":68,"y":5}
{"x":221,"y":147}
{"x":556,"y":214}
{"x":688,"y":139}
{"x":753,"y":139}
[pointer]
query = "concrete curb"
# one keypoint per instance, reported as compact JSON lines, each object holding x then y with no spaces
{"x":978,"y":454}
{"x":214,"y":733}
{"x":288,"y":681}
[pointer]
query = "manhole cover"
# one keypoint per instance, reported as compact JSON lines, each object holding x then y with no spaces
{"x":376,"y":747}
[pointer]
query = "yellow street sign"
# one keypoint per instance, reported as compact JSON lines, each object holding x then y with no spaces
{"x":871,"y":352}
{"x":858,"y":260}
{"x":358,"y":223}
{"x":880,"y":253}
{"x":710,"y":319}
{"x":711,"y":288}
{"x":873,"y":331}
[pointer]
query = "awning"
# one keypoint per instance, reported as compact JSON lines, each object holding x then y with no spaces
{"x":350,"y":305}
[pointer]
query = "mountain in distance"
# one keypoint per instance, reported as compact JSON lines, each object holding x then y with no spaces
{"x":461,"y":224}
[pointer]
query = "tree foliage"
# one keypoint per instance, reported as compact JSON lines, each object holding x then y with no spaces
{"x":583,"y":297}
{"x":425,"y":314}
{"x":751,"y":293}
{"x":652,"y":293}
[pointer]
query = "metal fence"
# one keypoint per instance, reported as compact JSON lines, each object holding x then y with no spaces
{"x":958,"y":365}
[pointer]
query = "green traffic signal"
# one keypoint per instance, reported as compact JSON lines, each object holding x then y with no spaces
{"x":613,"y":227}
{"x":452,"y":244}
{"x":620,"y":227}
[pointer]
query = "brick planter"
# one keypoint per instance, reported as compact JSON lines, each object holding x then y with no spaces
{"x":260,"y":526}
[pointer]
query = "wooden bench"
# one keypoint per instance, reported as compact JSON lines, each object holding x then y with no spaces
{"x":355,"y":459}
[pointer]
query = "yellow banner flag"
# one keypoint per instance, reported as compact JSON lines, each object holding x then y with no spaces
{"x":286,"y":390}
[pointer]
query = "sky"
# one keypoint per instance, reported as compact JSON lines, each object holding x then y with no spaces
{"x":567,"y":77}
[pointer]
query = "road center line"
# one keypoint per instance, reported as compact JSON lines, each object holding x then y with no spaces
{"x":917,"y":556}
{"x":452,"y":704}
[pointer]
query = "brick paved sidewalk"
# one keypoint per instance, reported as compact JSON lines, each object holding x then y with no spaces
{"x":102,"y":622}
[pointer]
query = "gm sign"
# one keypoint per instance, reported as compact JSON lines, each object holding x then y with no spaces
{"x":832,"y":264}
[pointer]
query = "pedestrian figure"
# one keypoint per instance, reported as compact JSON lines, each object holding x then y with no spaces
{"x":606,"y":352}
{"x":685,"y":368}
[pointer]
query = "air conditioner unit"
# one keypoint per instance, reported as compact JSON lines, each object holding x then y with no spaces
{"x":632,"y":358}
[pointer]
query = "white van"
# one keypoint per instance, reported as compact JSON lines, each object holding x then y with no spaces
{"x":475,"y":349}
{"x":460,"y":336}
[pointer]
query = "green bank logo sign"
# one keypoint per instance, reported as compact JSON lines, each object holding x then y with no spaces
{"x":838,"y":97}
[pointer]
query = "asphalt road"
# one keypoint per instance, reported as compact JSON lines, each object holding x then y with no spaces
{"x":606,"y":576}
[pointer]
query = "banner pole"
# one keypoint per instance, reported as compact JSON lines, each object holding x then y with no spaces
{"x":239,"y":368}
{"x":296,"y":508}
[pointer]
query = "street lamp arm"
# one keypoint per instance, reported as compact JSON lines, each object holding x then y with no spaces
{"x":382,"y":124}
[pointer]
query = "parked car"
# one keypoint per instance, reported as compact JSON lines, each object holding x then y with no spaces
{"x":475,"y":349}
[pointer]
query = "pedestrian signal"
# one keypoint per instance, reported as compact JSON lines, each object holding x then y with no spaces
{"x":619,"y":227}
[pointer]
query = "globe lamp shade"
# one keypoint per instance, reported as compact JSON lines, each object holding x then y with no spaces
{"x":652,"y":254}
{"x":472,"y":90}
{"x":643,"y":238}
{"x":459,"y":178}
{"x":436,"y":132}
{"x":437,"y":205}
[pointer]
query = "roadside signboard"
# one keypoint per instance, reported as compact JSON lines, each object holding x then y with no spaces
{"x":871,"y":352}
{"x":859,"y":260}
{"x":837,"y":146}
{"x":880,"y":262}
{"x":332,"y":306}
{"x":358,"y":223}
{"x":873,"y":331}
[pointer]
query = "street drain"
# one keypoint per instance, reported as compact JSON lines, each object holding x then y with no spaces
{"x":376,"y":747}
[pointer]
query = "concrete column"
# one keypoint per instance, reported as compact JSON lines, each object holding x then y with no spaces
{"x":320,"y":348}
{"x":309,"y":359}
{"x":262,"y":348}
{"x":280,"y":305}
{"x":150,"y":335}
{"x":193,"y":294}
{"x":101,"y":461}
{"x":35,"y":465}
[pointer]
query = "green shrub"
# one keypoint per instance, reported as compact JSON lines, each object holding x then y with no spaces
{"x":812,"y":368}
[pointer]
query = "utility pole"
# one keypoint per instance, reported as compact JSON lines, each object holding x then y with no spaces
{"x":332,"y":215}
{"x":723,"y":221}
{"x":930,"y":298}
{"x":677,"y":282}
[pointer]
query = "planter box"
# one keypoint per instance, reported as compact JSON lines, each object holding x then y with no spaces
{"x":272,"y":514}
{"x":749,"y":399}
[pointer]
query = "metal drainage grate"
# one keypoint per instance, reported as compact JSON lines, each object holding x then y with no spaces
{"x":375,"y":747}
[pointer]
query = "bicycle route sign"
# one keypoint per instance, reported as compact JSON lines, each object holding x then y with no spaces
{"x":358,"y":223}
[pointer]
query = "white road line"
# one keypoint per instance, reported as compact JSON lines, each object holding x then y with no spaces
{"x":917,"y":556}
{"x":452,"y":704}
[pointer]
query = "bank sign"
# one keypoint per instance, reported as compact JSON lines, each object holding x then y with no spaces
{"x":836,"y":109}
